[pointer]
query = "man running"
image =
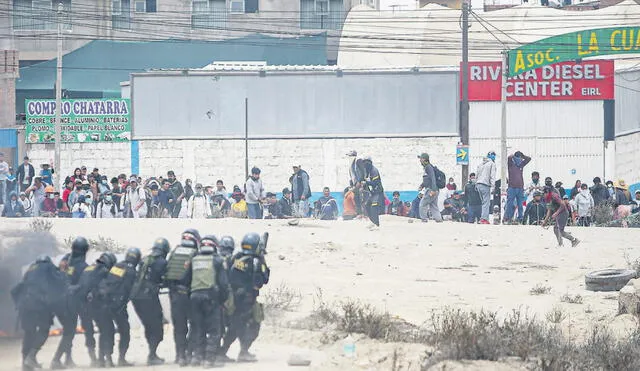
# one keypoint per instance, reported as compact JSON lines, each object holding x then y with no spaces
{"x":557,"y":211}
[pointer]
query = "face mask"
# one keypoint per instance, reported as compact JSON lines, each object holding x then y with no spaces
{"x":51,"y":196}
{"x":472,"y":180}
{"x":548,"y":184}
{"x":87,"y":201}
{"x":108,"y":198}
{"x":104,"y":181}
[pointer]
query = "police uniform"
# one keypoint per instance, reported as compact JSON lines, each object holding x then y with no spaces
{"x":68,"y":309}
{"x":248,"y":273}
{"x":34,"y":297}
{"x":146,"y":301}
{"x":178,"y":279}
{"x":209,"y":289}
{"x":111,"y":305}
{"x":82,"y":296}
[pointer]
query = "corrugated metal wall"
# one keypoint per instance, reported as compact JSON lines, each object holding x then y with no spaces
{"x":627,"y":93}
{"x":562,"y":137}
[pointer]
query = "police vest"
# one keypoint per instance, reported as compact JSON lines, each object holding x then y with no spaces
{"x":178,"y":263}
{"x":204,"y":273}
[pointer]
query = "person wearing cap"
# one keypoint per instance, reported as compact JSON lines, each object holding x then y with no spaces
{"x":300,"y":191}
{"x":485,"y":180}
{"x":198,"y":204}
{"x":557,"y":210}
{"x":622,"y":195}
{"x":137,"y":199}
{"x":430,"y":191}
{"x":25,"y":174}
{"x":49,"y":205}
{"x":283,"y":207}
{"x":515,"y":189}
{"x":178,"y":193}
{"x":255,"y":194}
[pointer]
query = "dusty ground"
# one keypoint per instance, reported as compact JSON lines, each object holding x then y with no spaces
{"x":408,"y":269}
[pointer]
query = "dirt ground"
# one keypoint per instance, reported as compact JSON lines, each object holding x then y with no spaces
{"x":407,"y":269}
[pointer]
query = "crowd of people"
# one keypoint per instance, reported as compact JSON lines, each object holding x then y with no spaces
{"x":26,"y":192}
{"x":212,"y":287}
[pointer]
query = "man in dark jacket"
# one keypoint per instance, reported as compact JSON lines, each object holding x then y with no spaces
{"x":13,"y":208}
{"x":111,"y":305}
{"x":178,"y":193}
{"x":536,"y":210}
{"x":145,"y":297}
{"x":25,"y":174}
{"x":283,"y":207}
{"x":472,"y":200}
{"x":599,"y":192}
{"x":430,"y":191}
{"x":301,"y":191}
{"x":34,"y":298}
{"x":515,"y":189}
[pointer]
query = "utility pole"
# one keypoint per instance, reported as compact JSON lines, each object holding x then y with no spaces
{"x":503,"y":130}
{"x":246,"y":138}
{"x":58,"y":124}
{"x":464,"y":103}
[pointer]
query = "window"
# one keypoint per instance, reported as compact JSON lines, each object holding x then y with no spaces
{"x":116,"y":7}
{"x":140,"y":6}
{"x":199,"y":6}
{"x":34,"y":15}
{"x":322,"y":7}
{"x":236,"y":6}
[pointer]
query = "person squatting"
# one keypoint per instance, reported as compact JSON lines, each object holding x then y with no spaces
{"x":213,"y":294}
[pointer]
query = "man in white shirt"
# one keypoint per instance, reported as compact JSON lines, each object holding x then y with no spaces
{"x":137,"y":198}
{"x":4,"y":175}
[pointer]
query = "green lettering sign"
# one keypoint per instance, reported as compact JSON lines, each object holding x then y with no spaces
{"x":82,"y":120}
{"x":572,"y":46}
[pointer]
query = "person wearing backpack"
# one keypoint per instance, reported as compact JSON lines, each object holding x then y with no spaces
{"x":430,"y":190}
{"x":138,"y":199}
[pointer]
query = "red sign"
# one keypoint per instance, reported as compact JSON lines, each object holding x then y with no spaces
{"x":588,"y":80}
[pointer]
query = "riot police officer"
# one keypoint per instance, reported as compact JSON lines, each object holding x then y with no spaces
{"x":178,"y":279}
{"x":67,"y":310}
{"x":248,"y":273}
{"x":34,"y":298}
{"x":209,"y":289}
{"x":225,"y":249}
{"x":145,"y":299}
{"x":111,"y":306}
{"x":82,"y":295}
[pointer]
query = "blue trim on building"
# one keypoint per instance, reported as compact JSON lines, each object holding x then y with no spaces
{"x":135,"y":157}
{"x":405,"y":196}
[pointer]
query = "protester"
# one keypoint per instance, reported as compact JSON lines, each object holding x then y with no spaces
{"x":396,"y":207}
{"x":284,"y":208}
{"x":584,"y":206}
{"x":326,"y":207}
{"x":430,"y":191}
{"x":81,"y":209}
{"x":46,"y":174}
{"x":255,"y":194}
{"x":536,"y":210}
{"x":4,"y":175}
{"x":198,"y":204}
{"x":26,"y":203}
{"x":534,"y":186}
{"x":472,"y":200}
{"x":485,"y":179}
{"x":178,"y":193}
{"x":349,"y":204}
{"x":515,"y":189}
{"x":137,"y":199}
{"x":25,"y":174}
{"x":13,"y":208}
{"x":599,"y":192}
{"x":300,"y":190}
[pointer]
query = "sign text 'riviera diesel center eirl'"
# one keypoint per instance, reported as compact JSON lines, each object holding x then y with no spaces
{"x":83,"y":120}
{"x":589,"y":80}
{"x":574,"y":46}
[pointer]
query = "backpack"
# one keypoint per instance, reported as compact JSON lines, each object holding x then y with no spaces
{"x":441,"y":178}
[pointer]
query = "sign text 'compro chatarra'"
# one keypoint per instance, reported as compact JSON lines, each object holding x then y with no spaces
{"x":83,"y":120}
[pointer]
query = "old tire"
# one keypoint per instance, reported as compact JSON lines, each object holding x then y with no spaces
{"x":608,"y":279}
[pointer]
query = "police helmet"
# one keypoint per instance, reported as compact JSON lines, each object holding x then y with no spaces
{"x":80,"y":245}
{"x":133,"y":256}
{"x":227,"y":245}
{"x":43,"y":259}
{"x":250,"y":243}
{"x":108,"y":259}
{"x":160,"y":247}
{"x":190,"y":238}
{"x":209,"y":244}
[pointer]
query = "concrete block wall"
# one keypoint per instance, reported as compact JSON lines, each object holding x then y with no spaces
{"x":628,"y":158}
{"x":205,"y":161}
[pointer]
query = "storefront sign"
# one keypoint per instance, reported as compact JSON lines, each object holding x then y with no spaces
{"x":589,"y":80}
{"x":83,"y":120}
{"x":572,"y":46}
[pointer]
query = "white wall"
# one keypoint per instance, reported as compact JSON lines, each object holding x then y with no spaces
{"x":560,"y":136}
{"x":628,"y":158}
{"x":206,"y":161}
